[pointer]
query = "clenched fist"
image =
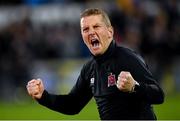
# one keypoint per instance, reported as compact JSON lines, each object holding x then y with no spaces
{"x":35,"y":88}
{"x":125,"y":82}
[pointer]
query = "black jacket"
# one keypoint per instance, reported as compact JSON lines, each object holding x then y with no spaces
{"x":98,"y":79}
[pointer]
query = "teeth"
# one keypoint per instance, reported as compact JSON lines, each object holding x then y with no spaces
{"x":96,"y":44}
{"x":93,"y":40}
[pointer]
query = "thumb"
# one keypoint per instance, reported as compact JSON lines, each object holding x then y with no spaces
{"x":40,"y":84}
{"x":39,"y":81}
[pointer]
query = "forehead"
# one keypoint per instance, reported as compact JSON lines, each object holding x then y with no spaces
{"x":93,"y":19}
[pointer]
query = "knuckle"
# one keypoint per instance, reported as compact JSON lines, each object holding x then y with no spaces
{"x":31,"y":81}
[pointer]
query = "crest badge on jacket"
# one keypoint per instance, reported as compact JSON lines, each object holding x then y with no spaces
{"x":111,"y":80}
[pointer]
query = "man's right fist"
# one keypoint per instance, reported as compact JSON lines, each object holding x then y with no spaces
{"x":35,"y":88}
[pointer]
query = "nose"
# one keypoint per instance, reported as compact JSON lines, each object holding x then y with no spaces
{"x":91,"y":31}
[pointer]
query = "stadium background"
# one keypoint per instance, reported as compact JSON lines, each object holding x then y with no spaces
{"x":41,"y":39}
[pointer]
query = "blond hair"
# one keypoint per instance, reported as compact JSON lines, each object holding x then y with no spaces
{"x":96,"y":11}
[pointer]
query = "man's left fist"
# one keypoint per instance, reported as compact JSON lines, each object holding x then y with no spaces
{"x":125,"y":82}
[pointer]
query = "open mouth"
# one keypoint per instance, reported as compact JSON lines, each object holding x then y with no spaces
{"x":95,"y":42}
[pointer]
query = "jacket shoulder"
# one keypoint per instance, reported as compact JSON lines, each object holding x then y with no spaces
{"x":125,"y":52}
{"x":88,"y":66}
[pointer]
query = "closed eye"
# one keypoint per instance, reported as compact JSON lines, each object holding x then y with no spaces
{"x":96,"y":26}
{"x":85,"y":29}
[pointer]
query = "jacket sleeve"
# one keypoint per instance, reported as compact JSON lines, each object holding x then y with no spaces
{"x":71,"y":103}
{"x":149,"y":90}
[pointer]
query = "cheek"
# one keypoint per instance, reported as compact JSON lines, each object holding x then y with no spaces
{"x":85,"y":39}
{"x":106,"y":39}
{"x":105,"y":35}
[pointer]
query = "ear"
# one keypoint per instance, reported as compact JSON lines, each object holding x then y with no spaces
{"x":110,"y":32}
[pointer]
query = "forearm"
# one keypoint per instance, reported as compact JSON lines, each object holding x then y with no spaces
{"x":152,"y":93}
{"x":66,"y":104}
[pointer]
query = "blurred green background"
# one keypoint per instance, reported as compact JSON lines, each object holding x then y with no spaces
{"x":31,"y":110}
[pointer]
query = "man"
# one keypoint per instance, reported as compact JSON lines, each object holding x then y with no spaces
{"x":116,"y":77}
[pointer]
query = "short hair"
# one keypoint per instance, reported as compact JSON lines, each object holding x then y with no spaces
{"x":96,"y":11}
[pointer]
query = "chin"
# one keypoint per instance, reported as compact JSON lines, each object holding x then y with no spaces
{"x":97,"y":54}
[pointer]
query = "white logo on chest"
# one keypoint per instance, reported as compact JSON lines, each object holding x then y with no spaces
{"x":92,"y":81}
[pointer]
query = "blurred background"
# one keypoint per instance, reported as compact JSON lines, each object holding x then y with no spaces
{"x":41,"y":39}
